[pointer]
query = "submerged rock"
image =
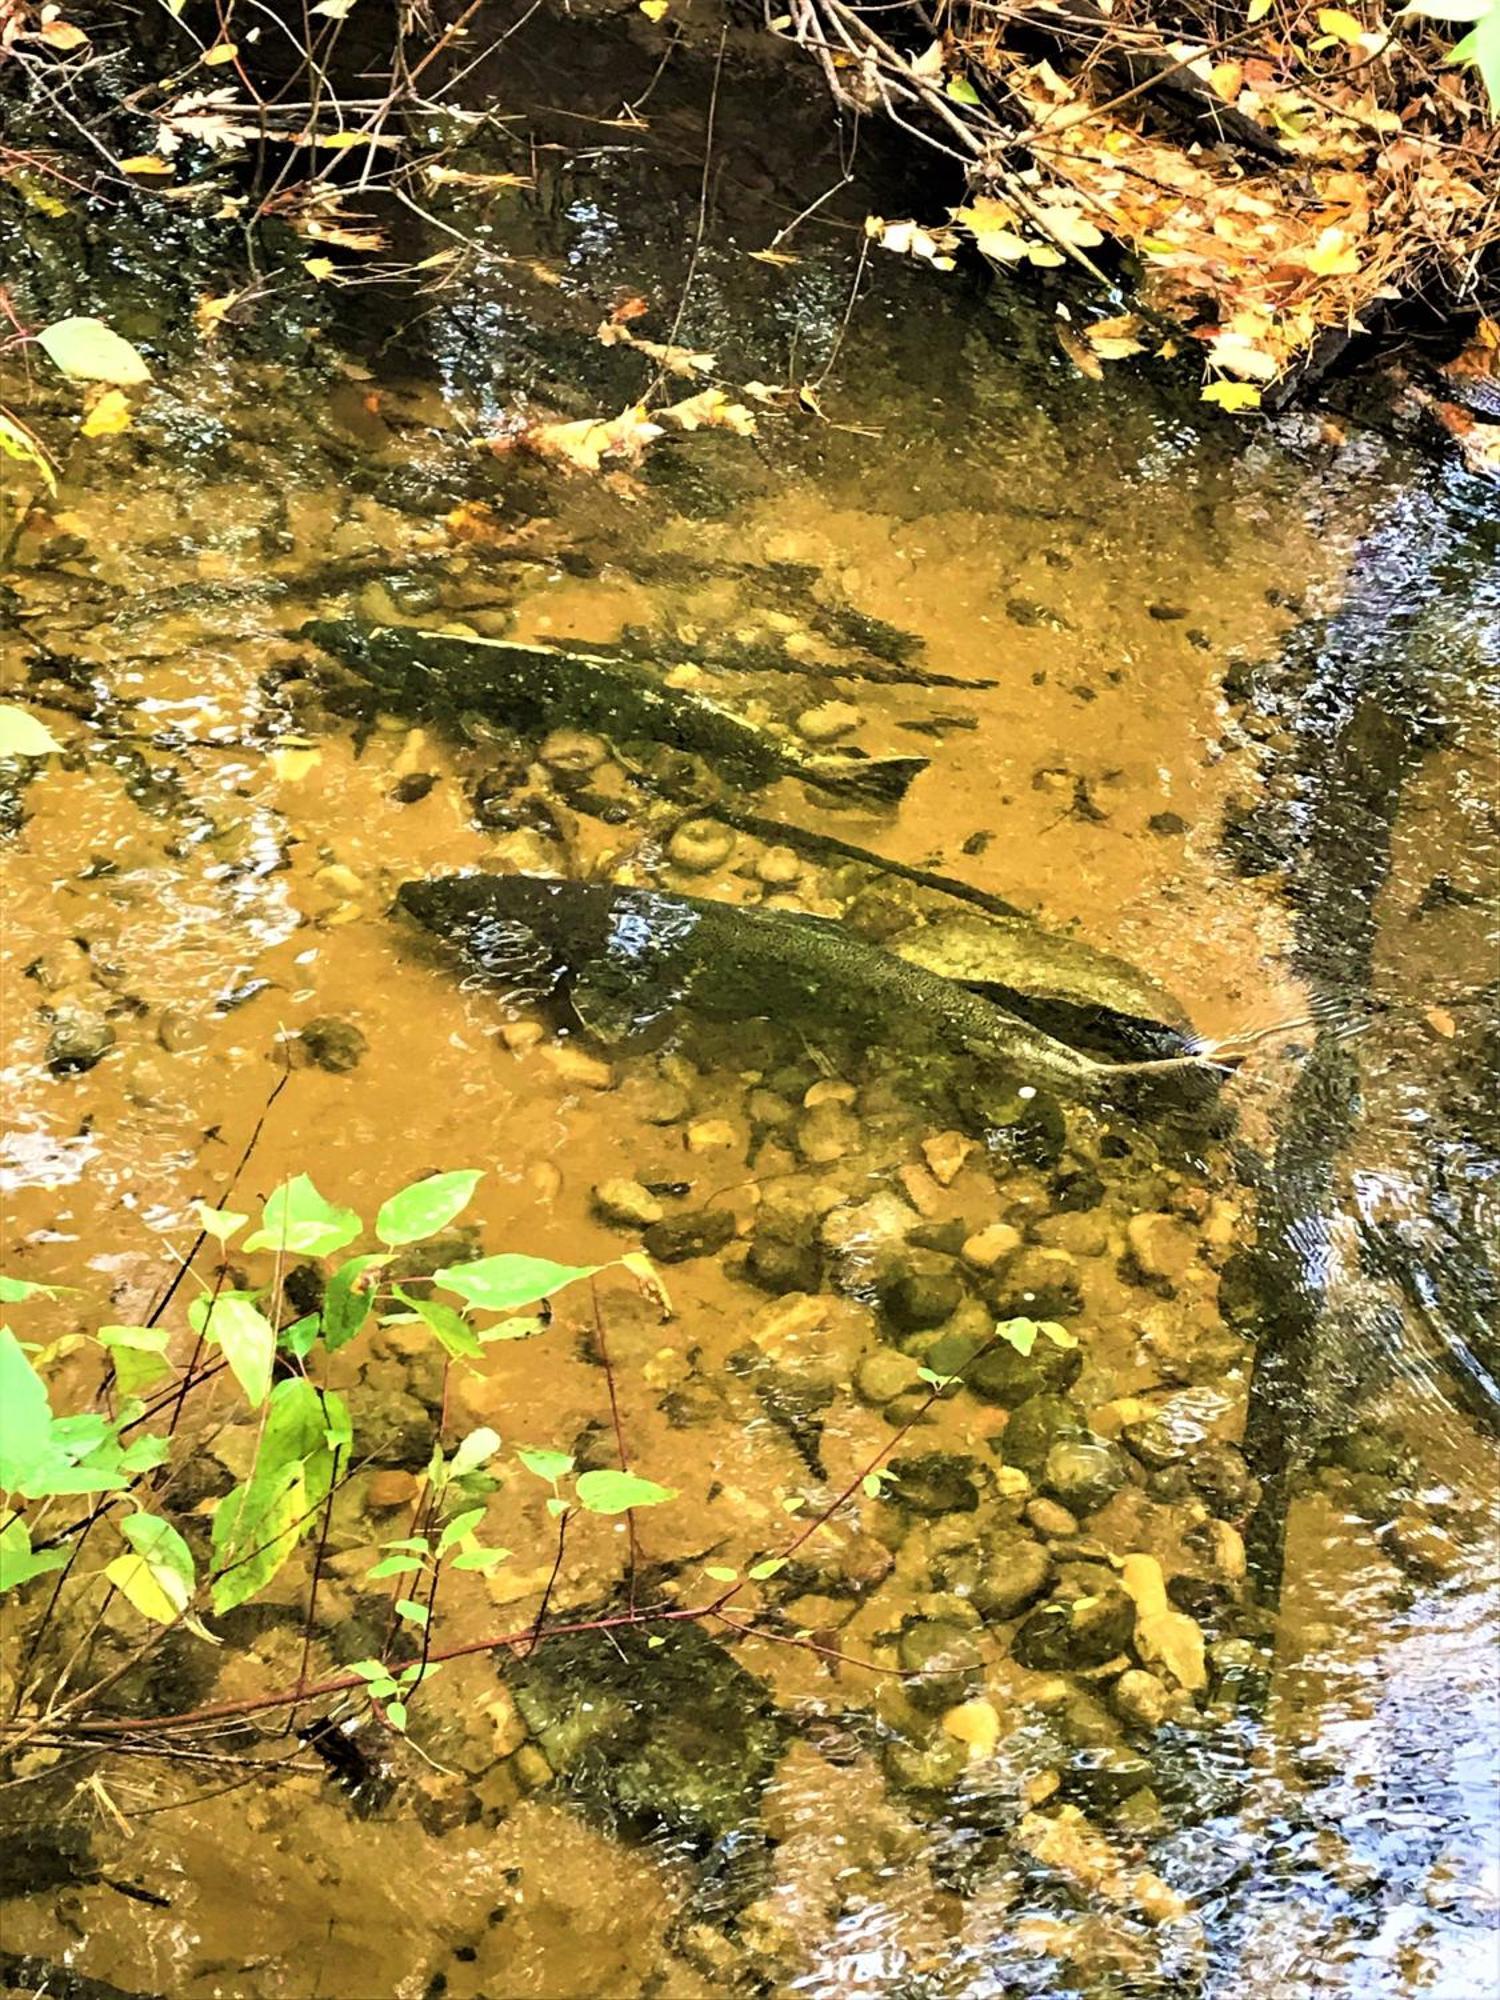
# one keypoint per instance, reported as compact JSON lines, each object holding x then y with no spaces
{"x":78,"y":1040}
{"x":1082,"y":1633}
{"x":1084,"y":1473}
{"x":675,"y":1735}
{"x":625,"y":1204}
{"x":331,"y":1044}
{"x":702,"y":1233}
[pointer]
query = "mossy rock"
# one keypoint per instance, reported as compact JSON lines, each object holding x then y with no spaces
{"x":674,"y":1736}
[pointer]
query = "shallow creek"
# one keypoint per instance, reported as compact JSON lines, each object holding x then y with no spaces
{"x":939,"y":1753}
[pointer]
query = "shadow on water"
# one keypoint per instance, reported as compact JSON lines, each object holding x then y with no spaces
{"x":1219,"y":710}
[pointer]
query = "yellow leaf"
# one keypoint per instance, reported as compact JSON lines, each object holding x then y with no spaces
{"x":110,"y":415}
{"x":1332,"y":255}
{"x":654,"y":10}
{"x":1257,"y":11}
{"x":711,"y":410}
{"x":221,"y":52}
{"x":90,"y":351}
{"x":1342,"y":25}
{"x":1114,"y":339}
{"x":62,"y":35}
{"x":773,"y":257}
{"x":146,"y":163}
{"x":158,"y":1594}
{"x":17,"y":442}
{"x":1232,"y":395}
{"x":318,"y":267}
{"x":209,"y":311}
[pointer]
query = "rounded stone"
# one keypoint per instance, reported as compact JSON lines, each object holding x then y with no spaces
{"x":1084,"y":1633}
{"x":1140,"y":1700}
{"x":573,"y":750}
{"x":1035,"y":1428}
{"x":988,"y":1248}
{"x":625,"y":1204}
{"x":1016,"y":1572}
{"x":77,"y":1042}
{"x":778,"y":867}
{"x":934,"y":1482}
{"x":702,"y":1233}
{"x":923,"y":1296}
{"x":944,"y":1659}
{"x":884,"y":1375}
{"x":1102,"y":1776}
{"x":1002,"y":1375}
{"x":332,"y":1044}
{"x":1051,"y":1518}
{"x":700,"y":845}
{"x":180,"y":1030}
{"x":782,"y":1263}
{"x":827,"y":721}
{"x":1084,"y":1473}
{"x":827,"y":1133}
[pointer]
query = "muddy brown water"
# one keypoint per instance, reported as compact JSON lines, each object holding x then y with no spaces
{"x":209,"y":869}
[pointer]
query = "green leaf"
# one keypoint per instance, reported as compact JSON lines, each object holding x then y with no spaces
{"x":504,"y":1283}
{"x":451,"y":1329}
{"x":21,"y":735}
{"x":298,"y":1338}
{"x":425,"y":1207}
{"x":139,"y":1355}
{"x":476,"y":1449}
{"x":16,"y":1291}
{"x":409,"y":1609}
{"x":1058,"y":1335}
{"x":478,"y":1558}
{"x":721,"y":1573}
{"x":1018,"y":1333}
{"x":250,"y":1543}
{"x":392,"y":1566}
{"x":615,"y":1492}
{"x":1481,"y":47}
{"x":248,"y":1341}
{"x":18,"y":1564}
{"x":90,"y":351}
{"x":461,"y":1525}
{"x":395,"y":1714}
{"x":370,"y":1670}
{"x":157,"y":1597}
{"x":347,"y":1302}
{"x":758,"y":1572}
{"x":166,"y":1555}
{"x":296,"y":1218}
{"x":526,"y":1327}
{"x":25,"y":1416}
{"x":553,"y":1465}
{"x":381,"y":1689}
{"x":1447,"y":10}
{"x":220,"y":1223}
{"x":962,"y":91}
{"x":145,"y":1453}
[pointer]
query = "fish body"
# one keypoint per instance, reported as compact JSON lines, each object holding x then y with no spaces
{"x":540,"y":687}
{"x":631,"y":956}
{"x":1087,"y":997}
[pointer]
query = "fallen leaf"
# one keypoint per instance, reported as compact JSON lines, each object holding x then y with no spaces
{"x":711,"y":410}
{"x":110,"y":415}
{"x":676,"y":360}
{"x":1079,"y":353}
{"x":1232,"y":395}
{"x":1442,"y":1022}
{"x":221,"y":52}
{"x":655,"y":10}
{"x":773,"y":257}
{"x":90,"y":351}
{"x":1115,"y":339}
{"x":320,"y":268}
{"x":62,"y":35}
{"x":146,"y":163}
{"x":586,"y":444}
{"x":17,"y":442}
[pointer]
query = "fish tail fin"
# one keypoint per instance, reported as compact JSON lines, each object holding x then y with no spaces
{"x":882,"y":778}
